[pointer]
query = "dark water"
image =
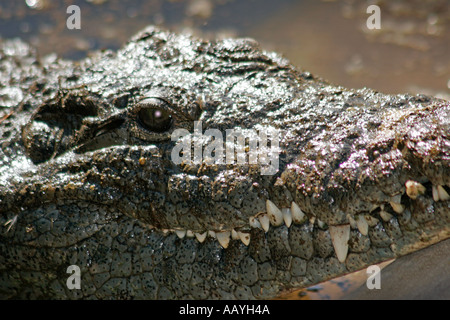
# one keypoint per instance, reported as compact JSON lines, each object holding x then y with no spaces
{"x":409,"y":53}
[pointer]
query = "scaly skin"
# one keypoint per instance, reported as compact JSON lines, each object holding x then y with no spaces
{"x":84,"y":181}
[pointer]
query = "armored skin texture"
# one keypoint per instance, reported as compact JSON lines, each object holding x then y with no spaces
{"x":87,"y":176}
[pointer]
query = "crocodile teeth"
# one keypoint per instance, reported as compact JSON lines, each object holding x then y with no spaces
{"x":212,"y":234}
{"x":201,"y":236}
{"x":275,"y":215}
{"x":362,"y":225}
{"x":435,"y":193}
{"x":254,"y":223}
{"x":396,"y":205}
{"x":399,"y":208}
{"x":386,"y":216}
{"x":223,"y":238}
{"x":287,"y":216}
{"x":321,"y":224}
{"x":297,"y":214}
{"x":352,"y":222}
{"x":189,"y":234}
{"x":11,"y":222}
{"x":264,"y":221}
{"x":414,"y":189}
{"x":371,"y":221}
{"x":180,"y":233}
{"x":245,"y":237}
{"x":443,"y":195}
{"x":234,"y":234}
{"x":340,"y":236}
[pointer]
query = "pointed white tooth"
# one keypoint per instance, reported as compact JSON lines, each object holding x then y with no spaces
{"x":201,"y":236}
{"x":245,"y":237}
{"x":435,"y":193}
{"x":223,"y":238}
{"x":371,"y":221}
{"x":398,"y":207}
{"x":321,"y":224}
{"x":265,"y":222}
{"x":386,"y":216}
{"x":212,"y":234}
{"x":297,"y":214}
{"x":180,"y":233}
{"x":352,"y":222}
{"x":234,"y":234}
{"x":362,"y":225}
{"x":414,"y":189}
{"x":287,"y":216}
{"x":443,"y":195}
{"x":189,"y":234}
{"x":254,"y":223}
{"x":340,"y":236}
{"x":275,"y":215}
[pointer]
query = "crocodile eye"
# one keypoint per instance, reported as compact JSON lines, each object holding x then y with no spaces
{"x":154,"y":119}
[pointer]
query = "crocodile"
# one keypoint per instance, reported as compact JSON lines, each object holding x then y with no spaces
{"x":88,"y":181}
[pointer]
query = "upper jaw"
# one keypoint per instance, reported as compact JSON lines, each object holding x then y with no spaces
{"x":400,"y":172}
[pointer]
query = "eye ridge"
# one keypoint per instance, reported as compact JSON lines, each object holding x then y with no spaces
{"x":154,"y":119}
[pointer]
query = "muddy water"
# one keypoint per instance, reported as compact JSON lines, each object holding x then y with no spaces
{"x":409,"y":53}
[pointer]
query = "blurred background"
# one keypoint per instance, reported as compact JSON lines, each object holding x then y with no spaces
{"x":410,"y":53}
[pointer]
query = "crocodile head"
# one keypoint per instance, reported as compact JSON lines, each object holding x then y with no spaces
{"x":123,"y":165}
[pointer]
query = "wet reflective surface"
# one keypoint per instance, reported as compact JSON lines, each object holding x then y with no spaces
{"x":330,"y":39}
